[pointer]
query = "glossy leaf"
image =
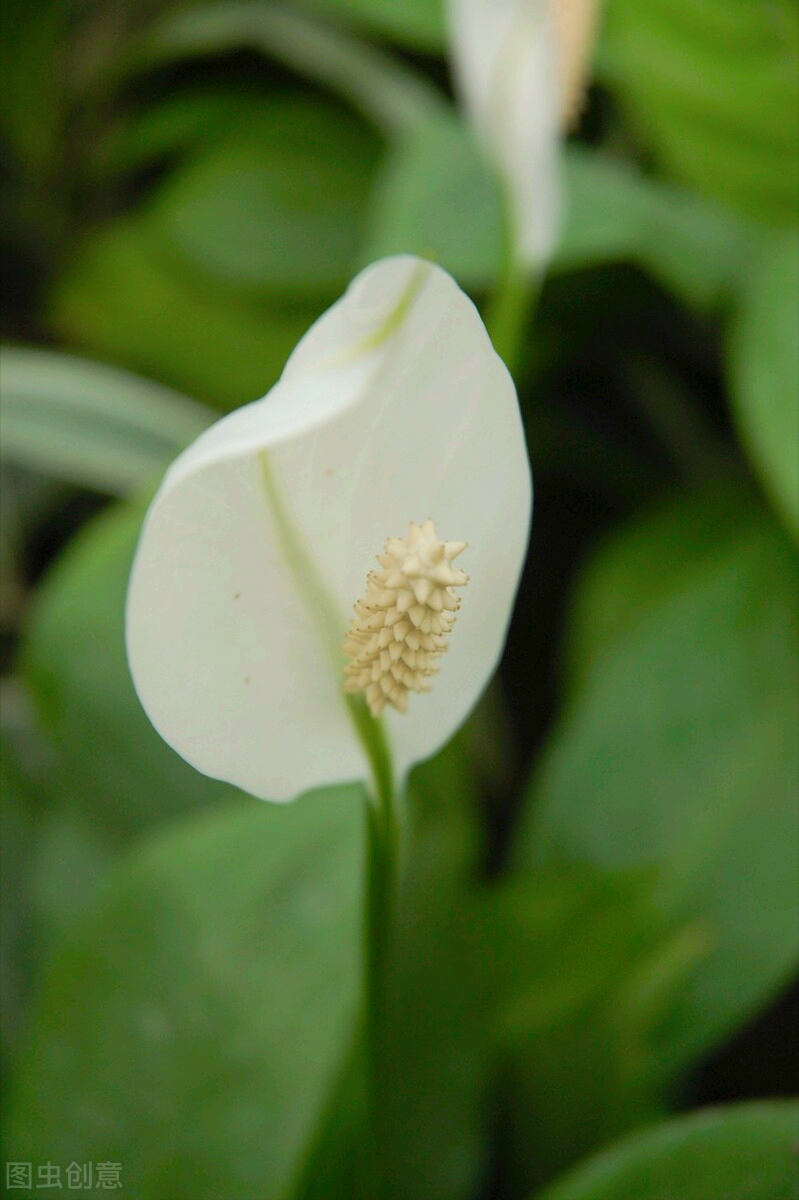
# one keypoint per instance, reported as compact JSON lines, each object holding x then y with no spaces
{"x":191,"y":1027}
{"x":380,"y":86}
{"x":74,"y":660}
{"x":764,"y":372}
{"x":575,"y":1027}
{"x":128,"y":298}
{"x":740,"y":1152}
{"x":418,"y":24}
{"x":435,"y":196}
{"x":277,"y":206}
{"x":713,"y":86}
{"x":678,"y":751}
{"x":90,"y":424}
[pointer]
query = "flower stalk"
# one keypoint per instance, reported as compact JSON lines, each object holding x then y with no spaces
{"x":381,"y":895}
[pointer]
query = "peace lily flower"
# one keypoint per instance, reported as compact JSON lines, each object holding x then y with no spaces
{"x":295,"y":576}
{"x":520,"y":67}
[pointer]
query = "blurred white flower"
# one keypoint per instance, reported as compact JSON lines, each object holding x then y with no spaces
{"x":394,"y":419}
{"x":519,"y":67}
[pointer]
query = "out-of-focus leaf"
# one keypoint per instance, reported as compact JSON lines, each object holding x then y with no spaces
{"x":418,"y":24}
{"x":74,"y":660}
{"x":191,"y":1027}
{"x":90,"y":424}
{"x":740,"y":1152}
{"x":613,"y":211}
{"x":577,"y":1030}
{"x":714,"y":87}
{"x":435,"y":1044}
{"x":278,"y":207}
{"x":17,"y":811}
{"x":128,"y":298}
{"x":181,"y":123}
{"x":33,"y":89}
{"x":764,"y":373}
{"x":381,"y":87}
{"x":678,"y":751}
{"x":436,"y":197}
{"x":633,"y":574}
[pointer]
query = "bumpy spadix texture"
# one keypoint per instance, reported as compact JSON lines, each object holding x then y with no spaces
{"x":393,"y":407}
{"x":399,"y":632}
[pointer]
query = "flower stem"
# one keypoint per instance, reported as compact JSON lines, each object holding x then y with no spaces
{"x":512,"y":300}
{"x":380,"y":905}
{"x":508,"y":312}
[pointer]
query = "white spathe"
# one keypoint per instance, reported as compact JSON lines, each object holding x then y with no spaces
{"x":393,"y":408}
{"x":505,"y":63}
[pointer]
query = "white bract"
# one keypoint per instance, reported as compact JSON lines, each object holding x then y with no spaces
{"x":394,"y":424}
{"x":506,"y":70}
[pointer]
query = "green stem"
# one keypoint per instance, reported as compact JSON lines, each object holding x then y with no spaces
{"x":508,"y":313}
{"x":383,"y":839}
{"x":380,"y":907}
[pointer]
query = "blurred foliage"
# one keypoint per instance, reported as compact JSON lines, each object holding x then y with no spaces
{"x":603,"y":870}
{"x":745,"y":1152}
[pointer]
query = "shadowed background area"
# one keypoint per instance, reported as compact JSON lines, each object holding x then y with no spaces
{"x":598,"y":927}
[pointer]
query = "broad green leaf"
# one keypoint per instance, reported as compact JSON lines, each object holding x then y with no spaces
{"x":192,"y":1026}
{"x":33,"y":94}
{"x":16,"y":809}
{"x":276,"y":207}
{"x":381,"y":87}
{"x":181,"y":123}
{"x":678,"y":751}
{"x":74,"y":660}
{"x":90,"y":424}
{"x":436,"y":197}
{"x":739,"y":1152}
{"x":436,"y":1043}
{"x":764,"y":372}
{"x":435,"y":1059}
{"x":129,"y":298}
{"x":613,"y":211}
{"x":713,"y":86}
{"x":587,"y":968}
{"x":418,"y":24}
{"x":632,"y":574}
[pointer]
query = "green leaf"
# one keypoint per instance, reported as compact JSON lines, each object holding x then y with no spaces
{"x":278,"y":206}
{"x":381,"y":87}
{"x":90,"y":424}
{"x":191,"y":1028}
{"x":16,"y":809}
{"x":436,"y":1041}
{"x":740,"y":1152}
{"x":577,"y":1043}
{"x":613,"y":211}
{"x":436,"y":197}
{"x":128,"y":298}
{"x":682,"y":728}
{"x":713,"y":86}
{"x":418,"y":24}
{"x":764,"y":372}
{"x":74,"y":660}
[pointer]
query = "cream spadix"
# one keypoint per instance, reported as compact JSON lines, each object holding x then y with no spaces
{"x":394,"y":408}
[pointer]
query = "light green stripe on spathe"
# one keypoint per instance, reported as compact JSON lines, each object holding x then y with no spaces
{"x":392,"y":322}
{"x":324,"y":614}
